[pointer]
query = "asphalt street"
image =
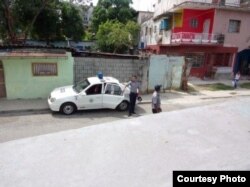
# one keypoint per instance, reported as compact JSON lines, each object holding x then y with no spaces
{"x":17,"y":125}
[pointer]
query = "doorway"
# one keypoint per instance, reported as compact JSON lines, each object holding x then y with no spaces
{"x":206,"y":26}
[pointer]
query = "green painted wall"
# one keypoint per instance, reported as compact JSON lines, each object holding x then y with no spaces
{"x":20,"y":82}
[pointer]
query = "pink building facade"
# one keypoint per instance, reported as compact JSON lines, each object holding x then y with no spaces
{"x":210,"y":33}
{"x":240,"y":37}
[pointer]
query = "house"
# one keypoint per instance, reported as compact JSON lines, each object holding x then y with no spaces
{"x":87,"y":16}
{"x":27,"y":74}
{"x":143,"y":16}
{"x":209,"y":33}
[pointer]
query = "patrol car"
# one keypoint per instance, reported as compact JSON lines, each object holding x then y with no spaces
{"x":91,"y":93}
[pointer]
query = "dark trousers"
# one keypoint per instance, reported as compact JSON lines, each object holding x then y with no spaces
{"x":132,"y":98}
{"x":154,"y":111}
{"x":236,"y":83}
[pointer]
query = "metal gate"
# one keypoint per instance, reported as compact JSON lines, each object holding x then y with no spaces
{"x":2,"y":83}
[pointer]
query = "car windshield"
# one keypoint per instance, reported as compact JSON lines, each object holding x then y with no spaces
{"x":80,"y":86}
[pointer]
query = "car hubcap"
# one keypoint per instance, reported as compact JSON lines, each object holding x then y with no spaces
{"x":68,"y":109}
{"x":123,"y":106}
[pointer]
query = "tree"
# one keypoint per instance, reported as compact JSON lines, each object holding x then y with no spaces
{"x":114,"y":36}
{"x":47,"y":26}
{"x":112,"y":10}
{"x":133,"y":28}
{"x":19,"y":16}
{"x":28,"y":11}
{"x":7,"y":20}
{"x":72,"y":23}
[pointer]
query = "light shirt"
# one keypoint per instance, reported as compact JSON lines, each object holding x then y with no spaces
{"x":134,"y":86}
{"x":156,"y":100}
{"x":237,"y":76}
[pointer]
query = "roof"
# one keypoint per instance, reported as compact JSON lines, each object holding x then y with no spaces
{"x":24,"y":54}
{"x":96,"y":80}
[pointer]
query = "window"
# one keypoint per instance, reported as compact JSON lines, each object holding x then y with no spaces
{"x":196,"y":60}
{"x":113,"y":89}
{"x":155,"y":29}
{"x":150,"y":31}
{"x":94,"y":90}
{"x":80,"y":86}
{"x":146,"y":31}
{"x":164,"y":25}
{"x":44,"y":69}
{"x":193,"y":23}
{"x":234,"y":26}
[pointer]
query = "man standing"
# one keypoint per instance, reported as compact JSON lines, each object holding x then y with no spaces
{"x":134,"y":91}
{"x":156,"y":100}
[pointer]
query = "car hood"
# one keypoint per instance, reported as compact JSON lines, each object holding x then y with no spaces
{"x":66,"y":91}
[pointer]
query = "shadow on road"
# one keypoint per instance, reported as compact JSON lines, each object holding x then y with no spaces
{"x":99,"y":113}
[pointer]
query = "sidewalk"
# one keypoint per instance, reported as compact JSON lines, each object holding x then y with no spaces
{"x":23,"y":105}
{"x":41,"y":105}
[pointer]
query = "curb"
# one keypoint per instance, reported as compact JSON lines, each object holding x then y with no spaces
{"x":31,"y":111}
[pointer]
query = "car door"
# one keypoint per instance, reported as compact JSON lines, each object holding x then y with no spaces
{"x":112,"y":96}
{"x":92,"y":99}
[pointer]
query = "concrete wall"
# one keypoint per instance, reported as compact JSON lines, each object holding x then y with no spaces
{"x":166,"y":71}
{"x":159,"y":69}
{"x":20,"y":82}
{"x":221,"y":24}
{"x":122,"y":69}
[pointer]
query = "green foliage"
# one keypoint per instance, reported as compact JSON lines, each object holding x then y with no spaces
{"x":215,"y":87}
{"x":114,"y":36}
{"x":133,"y":28}
{"x":47,"y":25}
{"x":72,"y":23}
{"x":42,"y":19}
{"x":112,"y":10}
{"x":245,"y":85}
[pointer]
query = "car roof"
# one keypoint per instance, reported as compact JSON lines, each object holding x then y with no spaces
{"x":96,"y":80}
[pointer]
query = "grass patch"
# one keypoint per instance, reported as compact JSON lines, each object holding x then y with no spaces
{"x":215,"y":87}
{"x":245,"y":85}
{"x":190,"y":89}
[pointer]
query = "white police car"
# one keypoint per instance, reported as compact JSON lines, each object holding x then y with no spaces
{"x":91,"y":93}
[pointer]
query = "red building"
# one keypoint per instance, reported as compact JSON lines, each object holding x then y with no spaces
{"x":190,"y":29}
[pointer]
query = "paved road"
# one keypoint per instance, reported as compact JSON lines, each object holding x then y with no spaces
{"x":136,"y":152}
{"x":21,"y":125}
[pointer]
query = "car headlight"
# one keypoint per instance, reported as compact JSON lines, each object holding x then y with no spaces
{"x":52,"y":99}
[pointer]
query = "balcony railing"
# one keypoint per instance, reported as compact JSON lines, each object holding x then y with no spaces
{"x":197,"y":38}
{"x":215,"y":2}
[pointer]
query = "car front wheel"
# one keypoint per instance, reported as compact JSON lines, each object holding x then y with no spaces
{"x":123,"y":106}
{"x":68,"y":108}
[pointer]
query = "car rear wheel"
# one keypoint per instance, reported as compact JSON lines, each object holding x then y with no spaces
{"x":68,"y":108}
{"x":123,"y":106}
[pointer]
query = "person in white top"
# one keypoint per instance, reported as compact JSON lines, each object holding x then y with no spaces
{"x":156,"y":100}
{"x":236,"y":79}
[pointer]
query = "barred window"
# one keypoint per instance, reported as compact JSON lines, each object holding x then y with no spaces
{"x":44,"y":69}
{"x":197,"y":60}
